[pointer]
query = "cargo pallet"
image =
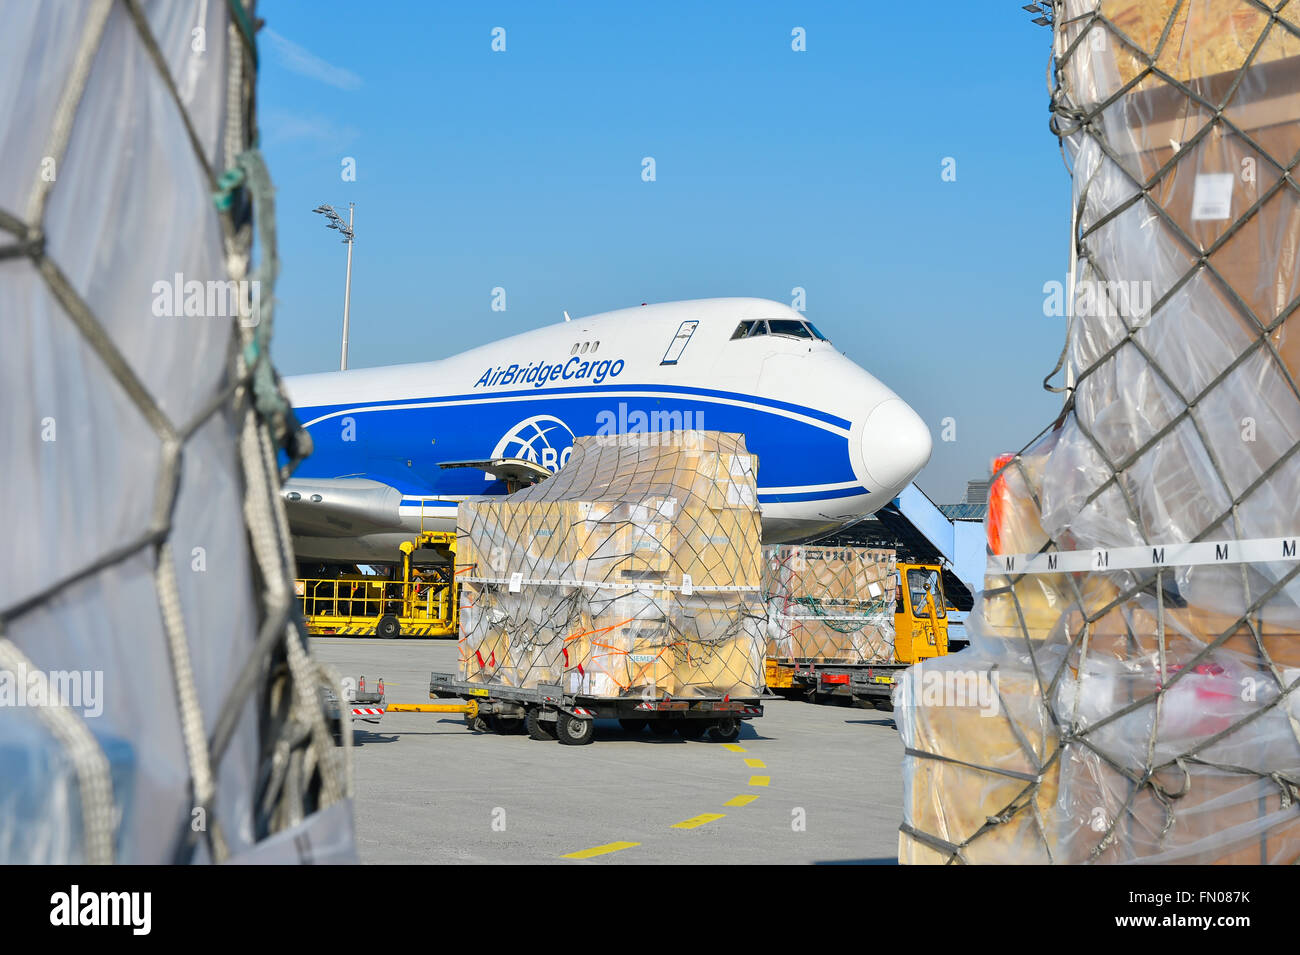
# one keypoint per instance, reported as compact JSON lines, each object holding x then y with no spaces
{"x":870,"y":684}
{"x":548,"y":713}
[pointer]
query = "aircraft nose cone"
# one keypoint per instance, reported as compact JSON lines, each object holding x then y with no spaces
{"x":895,"y":444}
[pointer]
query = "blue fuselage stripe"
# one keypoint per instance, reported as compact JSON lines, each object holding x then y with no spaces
{"x":809,"y":496}
{"x":594,"y":390}
{"x":401,"y":443}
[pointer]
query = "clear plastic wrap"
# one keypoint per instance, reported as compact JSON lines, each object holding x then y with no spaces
{"x":1147,"y":696}
{"x":830,"y":604}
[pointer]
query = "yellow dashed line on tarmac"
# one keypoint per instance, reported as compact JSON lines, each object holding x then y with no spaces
{"x":696,"y":821}
{"x":600,"y":850}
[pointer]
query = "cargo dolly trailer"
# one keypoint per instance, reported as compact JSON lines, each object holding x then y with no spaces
{"x":547,"y":712}
{"x":357,"y":705}
{"x":870,"y":684}
{"x":920,"y":632}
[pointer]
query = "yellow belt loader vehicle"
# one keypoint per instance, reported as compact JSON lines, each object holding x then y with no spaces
{"x":418,"y":600}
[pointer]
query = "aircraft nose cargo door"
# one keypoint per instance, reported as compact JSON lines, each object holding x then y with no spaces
{"x":678,"y":345}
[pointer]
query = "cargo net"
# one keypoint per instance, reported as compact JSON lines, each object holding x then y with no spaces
{"x":1130,"y":692}
{"x":633,"y":571}
{"x":829,"y":604}
{"x":212,"y":736}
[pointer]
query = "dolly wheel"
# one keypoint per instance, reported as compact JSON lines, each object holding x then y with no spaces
{"x":663,"y":727}
{"x":726,"y":730}
{"x":537,"y":727}
{"x":633,"y":726}
{"x":477,"y":724}
{"x":574,"y":730}
{"x":507,"y":725}
{"x":692,"y":729}
{"x":388,"y":627}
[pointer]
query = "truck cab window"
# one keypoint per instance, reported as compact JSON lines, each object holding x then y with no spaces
{"x":916,"y":583}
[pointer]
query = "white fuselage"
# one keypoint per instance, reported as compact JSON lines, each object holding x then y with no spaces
{"x":833,"y":443}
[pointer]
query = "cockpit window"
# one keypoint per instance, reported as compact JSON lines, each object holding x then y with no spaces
{"x":788,"y":326}
{"x":778,"y":326}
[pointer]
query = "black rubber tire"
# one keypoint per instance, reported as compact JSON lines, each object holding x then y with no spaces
{"x":886,"y":706}
{"x":634,"y":726}
{"x":507,"y":725}
{"x":574,"y":730}
{"x":538,"y":729}
{"x":692,"y":729}
{"x":663,"y":728}
{"x":477,"y":724}
{"x":388,"y":627}
{"x":726,"y":731}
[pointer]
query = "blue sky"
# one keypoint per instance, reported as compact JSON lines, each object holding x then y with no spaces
{"x":775,"y":169}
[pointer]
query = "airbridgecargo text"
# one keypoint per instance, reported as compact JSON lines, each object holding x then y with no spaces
{"x":575,"y":369}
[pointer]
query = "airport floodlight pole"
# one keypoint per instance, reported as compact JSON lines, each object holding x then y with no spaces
{"x":336,"y":222}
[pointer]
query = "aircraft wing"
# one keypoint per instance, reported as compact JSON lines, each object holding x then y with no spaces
{"x":357,"y":507}
{"x":341,"y":507}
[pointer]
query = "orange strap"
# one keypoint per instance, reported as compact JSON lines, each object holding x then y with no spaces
{"x":587,"y":633}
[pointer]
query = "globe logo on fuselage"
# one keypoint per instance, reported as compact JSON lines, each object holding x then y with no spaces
{"x":542,"y":439}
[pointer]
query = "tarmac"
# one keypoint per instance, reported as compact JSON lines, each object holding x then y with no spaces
{"x":804,"y":784}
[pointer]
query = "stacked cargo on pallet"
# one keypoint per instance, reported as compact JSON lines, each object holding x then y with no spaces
{"x":635,"y":570}
{"x":1130,"y":692}
{"x":830,"y":604}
